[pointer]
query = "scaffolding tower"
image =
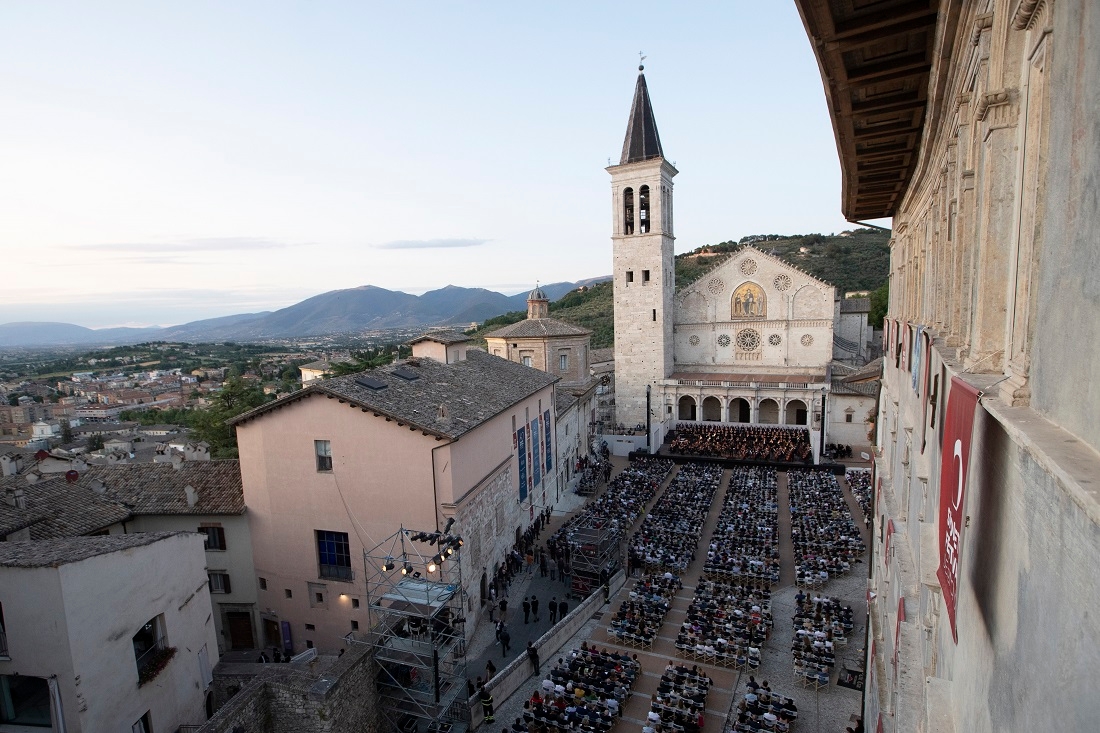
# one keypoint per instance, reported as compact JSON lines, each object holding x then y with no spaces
{"x":595,"y":553}
{"x":416,"y":608}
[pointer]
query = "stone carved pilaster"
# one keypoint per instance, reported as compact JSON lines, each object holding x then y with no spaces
{"x":998,"y":110}
{"x":982,"y":23}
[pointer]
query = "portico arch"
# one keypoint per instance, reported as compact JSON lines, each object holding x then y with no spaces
{"x":686,"y":408}
{"x":712,"y":409}
{"x":739,"y":410}
{"x":796,"y":413}
{"x":768,"y":412}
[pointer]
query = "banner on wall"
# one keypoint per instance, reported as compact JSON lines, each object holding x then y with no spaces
{"x":917,"y":358}
{"x":925,"y":387}
{"x":955,"y":451}
{"x":521,"y":453}
{"x":549,"y":448}
{"x":530,"y":477}
{"x":536,"y":451}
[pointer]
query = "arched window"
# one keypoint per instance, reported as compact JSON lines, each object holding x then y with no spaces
{"x":687,"y":408}
{"x":739,"y":410}
{"x":796,"y":412}
{"x":643,"y":210}
{"x":628,"y":211}
{"x":768,"y":412}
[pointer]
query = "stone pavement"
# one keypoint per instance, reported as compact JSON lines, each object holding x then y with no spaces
{"x":828,"y":709}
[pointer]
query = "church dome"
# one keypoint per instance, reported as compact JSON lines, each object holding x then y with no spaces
{"x":537,"y":294}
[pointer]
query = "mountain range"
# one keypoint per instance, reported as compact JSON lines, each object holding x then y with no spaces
{"x":353,"y":310}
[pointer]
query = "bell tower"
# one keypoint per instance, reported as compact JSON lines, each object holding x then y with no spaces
{"x":643,"y":264}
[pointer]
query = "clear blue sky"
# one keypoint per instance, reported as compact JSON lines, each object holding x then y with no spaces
{"x":164,"y":162}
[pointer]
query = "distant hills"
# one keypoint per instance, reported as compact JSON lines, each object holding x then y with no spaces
{"x":353,"y":310}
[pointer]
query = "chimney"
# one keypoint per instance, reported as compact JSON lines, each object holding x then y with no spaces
{"x":32,"y":477}
{"x":20,"y":499}
{"x":97,"y":486}
{"x":192,"y":495}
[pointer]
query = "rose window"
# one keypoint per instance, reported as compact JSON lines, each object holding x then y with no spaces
{"x":748,"y":339}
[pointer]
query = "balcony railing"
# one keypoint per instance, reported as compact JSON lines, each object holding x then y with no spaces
{"x":153,"y":660}
{"x":337,"y":572}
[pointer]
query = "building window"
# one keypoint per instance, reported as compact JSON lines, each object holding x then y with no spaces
{"x":151,"y":650}
{"x":215,"y":537}
{"x":219,"y":583}
{"x":319,"y":597}
{"x":144,"y":725}
{"x":309,"y":643}
{"x":645,"y":276}
{"x":263,"y":583}
{"x":310,"y":627}
{"x":526,"y":361}
{"x":628,"y":211}
{"x":334,"y":555}
{"x":24,"y":700}
{"x":643,"y":209}
{"x":323,"y":449}
{"x":355,"y":603}
{"x":848,"y":417}
{"x":654,"y":315}
{"x":288,"y":592}
{"x":563,"y":362}
{"x":630,"y":276}
{"x":354,"y":625}
{"x":3,"y":634}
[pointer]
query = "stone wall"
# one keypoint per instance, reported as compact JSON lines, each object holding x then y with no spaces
{"x":289,"y":699}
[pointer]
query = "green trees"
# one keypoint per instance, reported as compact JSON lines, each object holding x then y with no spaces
{"x":880,"y":303}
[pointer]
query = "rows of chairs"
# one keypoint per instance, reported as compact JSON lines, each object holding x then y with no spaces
{"x":859,"y":481}
{"x":681,"y":700}
{"x":826,"y":539}
{"x":669,"y":536}
{"x":745,"y":543}
{"x":763,"y":710}
{"x":640,"y":616}
{"x":727,"y":623}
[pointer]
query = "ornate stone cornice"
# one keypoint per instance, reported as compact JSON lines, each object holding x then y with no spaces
{"x":981,"y":23}
{"x":994,"y":101}
{"x":1027,"y":12}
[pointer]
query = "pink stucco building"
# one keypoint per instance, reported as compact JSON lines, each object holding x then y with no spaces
{"x":337,"y":467}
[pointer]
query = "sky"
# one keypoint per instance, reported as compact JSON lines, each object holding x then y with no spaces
{"x":165,"y":162}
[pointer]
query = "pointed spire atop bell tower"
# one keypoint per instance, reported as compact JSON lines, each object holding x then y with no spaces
{"x":642,"y":141}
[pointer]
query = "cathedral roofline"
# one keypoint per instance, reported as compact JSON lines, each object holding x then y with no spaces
{"x":722,"y":262}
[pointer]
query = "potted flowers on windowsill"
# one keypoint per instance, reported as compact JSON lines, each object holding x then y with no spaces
{"x":156,"y":663}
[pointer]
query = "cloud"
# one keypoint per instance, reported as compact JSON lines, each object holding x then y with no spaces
{"x":431,"y":243}
{"x":206,"y":244}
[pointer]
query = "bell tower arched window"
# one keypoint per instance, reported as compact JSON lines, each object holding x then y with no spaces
{"x":628,"y":211}
{"x":643,"y":210}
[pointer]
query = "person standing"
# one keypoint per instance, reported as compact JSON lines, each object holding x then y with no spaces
{"x":505,"y":641}
{"x":553,"y":607}
{"x":533,"y":655}
{"x":535,"y":608}
{"x":503,"y":610}
{"x":486,"y":699}
{"x":542,"y":565}
{"x":526,"y":609}
{"x":552,"y":565}
{"x":563,"y":608}
{"x":500,"y":628}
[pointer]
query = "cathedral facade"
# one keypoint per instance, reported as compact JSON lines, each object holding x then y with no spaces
{"x":749,"y":342}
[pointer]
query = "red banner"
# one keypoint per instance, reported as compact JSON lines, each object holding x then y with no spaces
{"x":955,"y":458}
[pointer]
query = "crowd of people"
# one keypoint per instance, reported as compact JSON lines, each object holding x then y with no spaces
{"x":584,"y":691}
{"x":614,"y":511}
{"x":859,"y":481}
{"x":838,"y":450}
{"x":743,"y":442}
{"x":821,"y":626}
{"x":669,"y":536}
{"x":763,"y":710}
{"x":826,"y":539}
{"x":727,"y":623}
{"x":745,"y":544}
{"x":681,"y":700}
{"x":640,"y":616}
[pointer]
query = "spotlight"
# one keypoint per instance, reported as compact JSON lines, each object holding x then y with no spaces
{"x":434,"y":538}
{"x":447,"y":527}
{"x":449,"y":551}
{"x":388,"y":565}
{"x":458,"y":541}
{"x":416,"y":574}
{"x":437,"y":559}
{"x":407,"y":569}
{"x":432,"y":567}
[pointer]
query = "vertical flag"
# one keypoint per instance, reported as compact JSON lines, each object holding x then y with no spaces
{"x":521,"y":453}
{"x":549,"y":449}
{"x":959,"y":425}
{"x":536,"y":451}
